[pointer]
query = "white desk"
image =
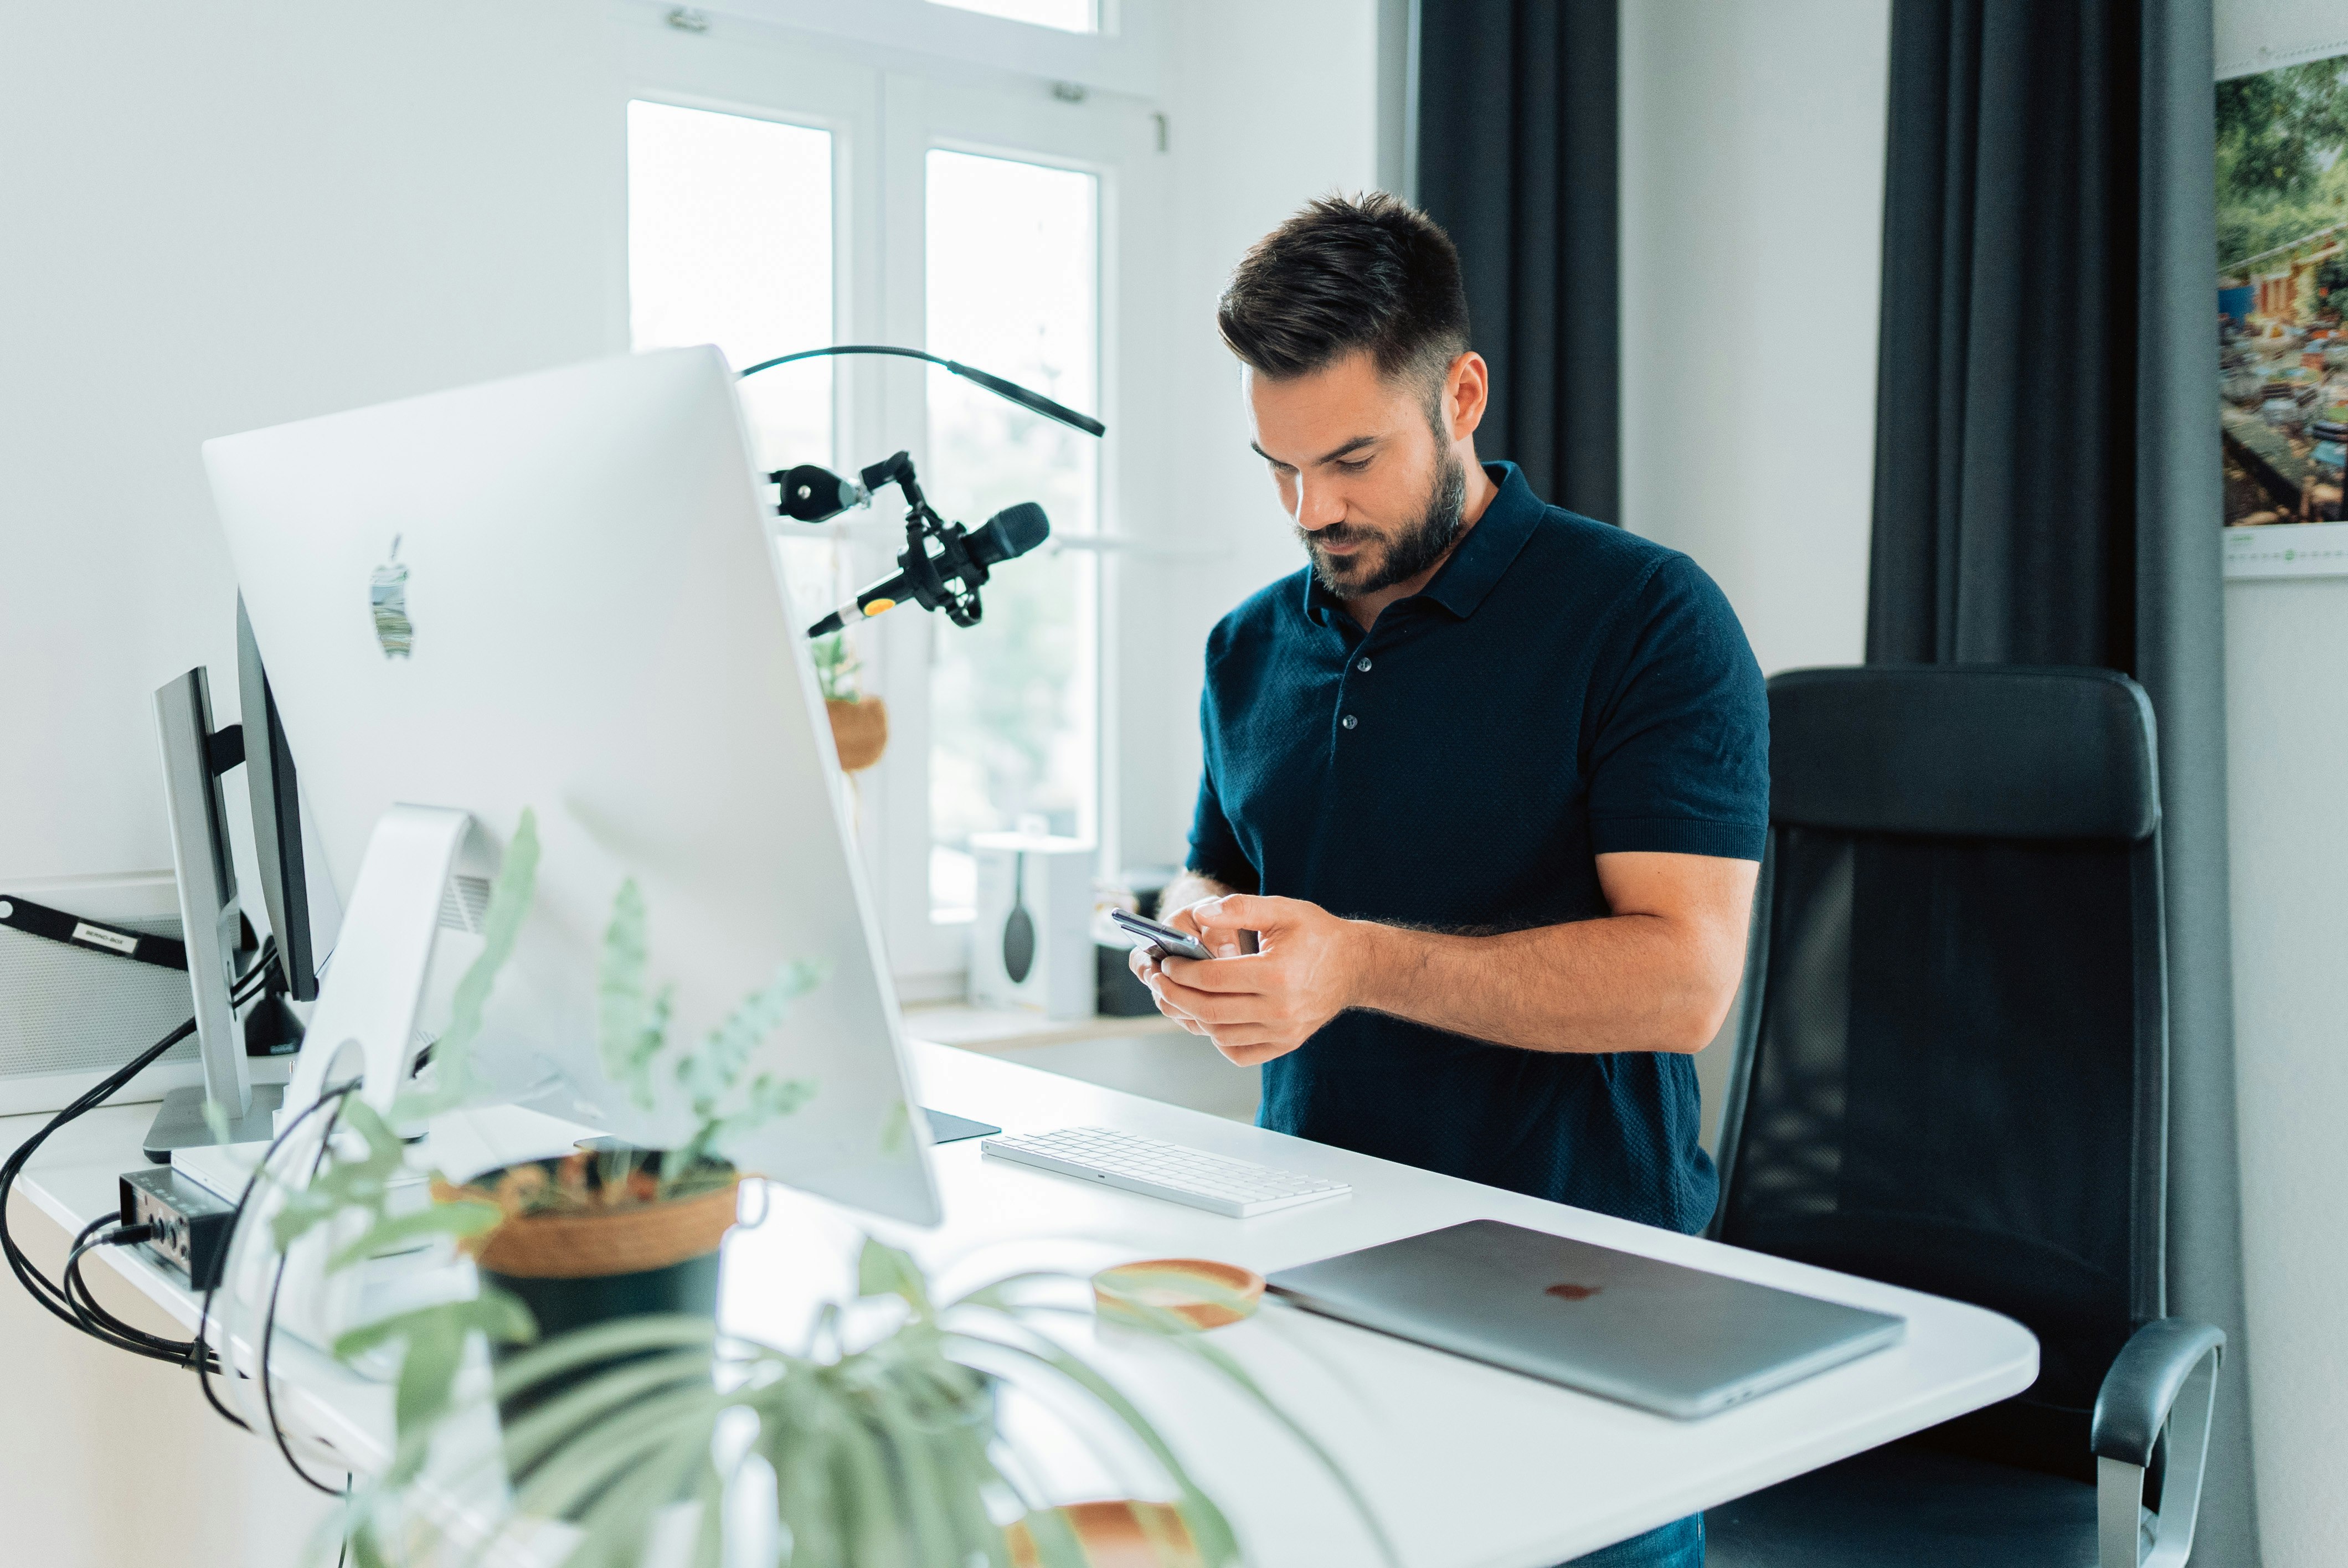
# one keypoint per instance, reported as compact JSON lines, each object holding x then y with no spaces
{"x":1466,"y":1464}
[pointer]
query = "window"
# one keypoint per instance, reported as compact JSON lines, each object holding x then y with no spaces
{"x":783,"y":197}
{"x":1011,"y":286}
{"x":1068,"y":15}
{"x":730,"y":242}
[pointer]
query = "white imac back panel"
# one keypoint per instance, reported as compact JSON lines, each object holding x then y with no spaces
{"x":557,"y":592}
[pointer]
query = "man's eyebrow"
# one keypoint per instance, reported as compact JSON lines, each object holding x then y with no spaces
{"x":1355,"y":445}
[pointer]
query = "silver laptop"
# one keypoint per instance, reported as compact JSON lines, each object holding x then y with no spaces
{"x":1674,"y":1340}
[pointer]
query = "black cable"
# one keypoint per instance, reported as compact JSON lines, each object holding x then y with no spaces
{"x":50,"y":1295}
{"x":333,"y":1097}
{"x":54,"y":1297}
{"x":1010,"y":391}
{"x":95,"y":1318}
{"x":269,"y":1315}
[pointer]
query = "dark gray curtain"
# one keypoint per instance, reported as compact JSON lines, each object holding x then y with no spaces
{"x":2046,"y":481}
{"x":1517,"y":144}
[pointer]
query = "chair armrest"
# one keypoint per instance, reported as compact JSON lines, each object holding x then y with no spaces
{"x":2142,"y":1387}
{"x":2157,"y":1366}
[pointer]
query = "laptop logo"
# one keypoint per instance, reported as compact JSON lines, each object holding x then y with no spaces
{"x":1570,"y":1292}
{"x":388,"y":597}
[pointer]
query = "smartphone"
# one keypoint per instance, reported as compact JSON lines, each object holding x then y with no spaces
{"x":1164,"y":941}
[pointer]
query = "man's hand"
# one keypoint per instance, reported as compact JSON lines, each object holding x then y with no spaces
{"x":1256,"y":1006}
{"x":1658,"y":974}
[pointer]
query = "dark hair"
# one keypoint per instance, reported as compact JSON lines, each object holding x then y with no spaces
{"x":1344,"y":274}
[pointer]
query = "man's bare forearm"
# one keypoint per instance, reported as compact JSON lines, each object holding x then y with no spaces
{"x":1188,"y":889}
{"x":1624,"y":983}
{"x":1657,"y":975}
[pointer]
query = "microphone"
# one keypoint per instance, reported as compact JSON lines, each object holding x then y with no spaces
{"x":1009,"y":534}
{"x":949,"y":579}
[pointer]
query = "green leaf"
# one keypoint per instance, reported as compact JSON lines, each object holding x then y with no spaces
{"x":709,"y":1072}
{"x":366,"y":1551}
{"x":344,"y":1182}
{"x":765,"y":1100}
{"x":622,"y":1337}
{"x":432,"y":1355}
{"x":577,"y":1471}
{"x":618,"y":1523}
{"x":883,"y":1270}
{"x":510,"y":901}
{"x":457,"y":1219}
{"x":603,"y":1395}
{"x":1216,"y":1543}
{"x":630,"y":1028}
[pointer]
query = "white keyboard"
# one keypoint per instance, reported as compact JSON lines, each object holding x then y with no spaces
{"x":1240,"y":1188}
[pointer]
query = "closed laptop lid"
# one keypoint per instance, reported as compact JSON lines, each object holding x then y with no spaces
{"x":1668,"y":1339}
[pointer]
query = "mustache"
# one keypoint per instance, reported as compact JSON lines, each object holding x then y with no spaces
{"x":1339,"y":534}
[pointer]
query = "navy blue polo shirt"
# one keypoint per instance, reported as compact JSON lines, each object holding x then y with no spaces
{"x":1560,"y":689}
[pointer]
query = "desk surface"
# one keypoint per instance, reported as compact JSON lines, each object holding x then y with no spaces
{"x":1465,"y":1464}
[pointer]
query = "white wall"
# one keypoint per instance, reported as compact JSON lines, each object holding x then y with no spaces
{"x":1752,"y":181}
{"x":2286,"y":752}
{"x":228,"y":216}
{"x":1267,"y":106}
{"x":220,"y":217}
{"x":1751,"y":171}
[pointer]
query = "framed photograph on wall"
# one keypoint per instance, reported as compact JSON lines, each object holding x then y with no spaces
{"x":2282,"y":289}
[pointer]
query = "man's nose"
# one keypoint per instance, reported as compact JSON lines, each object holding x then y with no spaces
{"x":1318,"y":506}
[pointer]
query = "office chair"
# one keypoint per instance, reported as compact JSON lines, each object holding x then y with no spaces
{"x":1951,"y":1075}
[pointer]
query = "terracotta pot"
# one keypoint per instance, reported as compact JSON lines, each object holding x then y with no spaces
{"x":630,"y":1240}
{"x":1113,"y":1536}
{"x":577,"y":1270}
{"x":860,"y":730}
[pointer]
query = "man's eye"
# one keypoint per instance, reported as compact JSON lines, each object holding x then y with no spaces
{"x":1354,"y":467}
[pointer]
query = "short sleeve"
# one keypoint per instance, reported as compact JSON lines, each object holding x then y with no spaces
{"x":1214,"y":845}
{"x":1679,"y":763}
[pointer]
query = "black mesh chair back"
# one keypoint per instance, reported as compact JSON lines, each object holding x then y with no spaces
{"x":1950,"y":1068}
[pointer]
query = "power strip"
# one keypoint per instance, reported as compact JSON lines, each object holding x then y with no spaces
{"x":190,"y":1222}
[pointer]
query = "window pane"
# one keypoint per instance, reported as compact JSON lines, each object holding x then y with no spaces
{"x":1068,"y":15}
{"x":730,"y":242}
{"x":1012,"y":288}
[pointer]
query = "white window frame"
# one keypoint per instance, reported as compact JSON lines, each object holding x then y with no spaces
{"x":884,"y":119}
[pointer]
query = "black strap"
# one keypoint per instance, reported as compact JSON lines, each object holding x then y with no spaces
{"x":40,"y":920}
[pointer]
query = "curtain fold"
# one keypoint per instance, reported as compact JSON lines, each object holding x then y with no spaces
{"x":1517,"y":159}
{"x":2048,"y":486}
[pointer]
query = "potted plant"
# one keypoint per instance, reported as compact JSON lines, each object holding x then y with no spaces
{"x":614,"y":1230}
{"x":866,"y":1447}
{"x":855,"y":1454}
{"x":859,"y":724}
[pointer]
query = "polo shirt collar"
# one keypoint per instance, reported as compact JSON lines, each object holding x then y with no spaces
{"x":1479,"y":561}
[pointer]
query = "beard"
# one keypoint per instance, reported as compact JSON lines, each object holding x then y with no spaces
{"x":1408,"y":552}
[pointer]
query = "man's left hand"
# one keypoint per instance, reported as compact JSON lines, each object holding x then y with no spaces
{"x":1256,"y":1006}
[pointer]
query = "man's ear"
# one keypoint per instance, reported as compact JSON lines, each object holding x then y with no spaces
{"x":1466,"y":391}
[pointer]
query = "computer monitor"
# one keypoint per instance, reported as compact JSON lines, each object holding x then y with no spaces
{"x":556,"y":593}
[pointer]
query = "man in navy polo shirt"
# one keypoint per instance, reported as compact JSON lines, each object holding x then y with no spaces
{"x":1489,"y":779}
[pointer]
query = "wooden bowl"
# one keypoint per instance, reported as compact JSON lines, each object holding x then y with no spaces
{"x":1195,"y":1289}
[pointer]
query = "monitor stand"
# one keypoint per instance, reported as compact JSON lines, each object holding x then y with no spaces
{"x":179,"y":1123}
{"x":948,"y":1129}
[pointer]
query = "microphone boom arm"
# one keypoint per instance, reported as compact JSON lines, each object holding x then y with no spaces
{"x":947,"y":578}
{"x":938,"y":569}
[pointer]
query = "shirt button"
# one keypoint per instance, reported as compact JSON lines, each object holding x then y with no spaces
{"x":1349,"y":720}
{"x":1363,"y":665}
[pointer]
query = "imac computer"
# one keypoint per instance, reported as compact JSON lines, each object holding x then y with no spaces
{"x":556,"y":594}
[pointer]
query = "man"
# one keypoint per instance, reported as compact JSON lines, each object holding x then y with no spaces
{"x":1489,"y":779}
